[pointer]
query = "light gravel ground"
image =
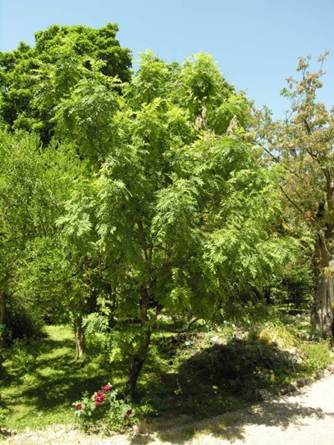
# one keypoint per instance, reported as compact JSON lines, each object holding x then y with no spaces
{"x":306,"y":418}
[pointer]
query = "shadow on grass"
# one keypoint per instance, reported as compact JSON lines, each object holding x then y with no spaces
{"x":220,"y":378}
{"x":215,"y":383}
{"x":42,"y":375}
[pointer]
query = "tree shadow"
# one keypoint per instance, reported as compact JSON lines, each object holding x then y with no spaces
{"x":55,"y":378}
{"x":215,"y":381}
{"x":231,"y":426}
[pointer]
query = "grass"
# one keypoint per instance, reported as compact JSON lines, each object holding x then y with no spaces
{"x":195,"y":376}
{"x":41,"y":380}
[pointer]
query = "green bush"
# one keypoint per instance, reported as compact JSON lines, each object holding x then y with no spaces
{"x":21,"y":356}
{"x":276,"y":332}
{"x":97,"y":332}
{"x":316,"y":357}
{"x":22,"y":322}
{"x":104,"y":411}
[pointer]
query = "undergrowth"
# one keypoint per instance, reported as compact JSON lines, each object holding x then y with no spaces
{"x":198,"y":374}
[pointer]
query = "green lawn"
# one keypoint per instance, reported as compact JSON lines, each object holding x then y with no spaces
{"x":198,"y":375}
{"x":41,"y":380}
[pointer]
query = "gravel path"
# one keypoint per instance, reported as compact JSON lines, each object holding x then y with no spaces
{"x":306,"y":418}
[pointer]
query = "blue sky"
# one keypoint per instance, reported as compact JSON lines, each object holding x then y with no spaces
{"x":255,"y":42}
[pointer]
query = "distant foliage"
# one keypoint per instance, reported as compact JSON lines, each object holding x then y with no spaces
{"x":33,"y":80}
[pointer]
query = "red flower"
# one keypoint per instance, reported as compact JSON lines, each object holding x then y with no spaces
{"x":99,"y":398}
{"x":106,"y":388}
{"x":78,"y":406}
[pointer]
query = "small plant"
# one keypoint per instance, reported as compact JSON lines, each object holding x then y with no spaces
{"x":277,"y":333}
{"x":3,"y":417}
{"x":316,"y":357}
{"x":105,"y":411}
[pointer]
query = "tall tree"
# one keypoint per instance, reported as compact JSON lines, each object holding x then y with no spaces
{"x":303,"y":144}
{"x":33,"y":80}
{"x":184,"y":207}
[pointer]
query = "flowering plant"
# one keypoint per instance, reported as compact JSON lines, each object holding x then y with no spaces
{"x":104,"y":410}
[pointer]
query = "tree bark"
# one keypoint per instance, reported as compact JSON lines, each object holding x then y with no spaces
{"x":140,"y":355}
{"x":3,"y":317}
{"x":80,"y":340}
{"x":2,"y":309}
{"x":322,"y":317}
{"x":138,"y":361}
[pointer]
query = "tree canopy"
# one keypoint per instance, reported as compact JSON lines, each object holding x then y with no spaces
{"x":33,"y":80}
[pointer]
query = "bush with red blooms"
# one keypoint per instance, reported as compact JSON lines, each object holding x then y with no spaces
{"x":104,"y":411}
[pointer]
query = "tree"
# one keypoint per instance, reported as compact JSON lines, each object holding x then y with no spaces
{"x":302,"y":144}
{"x":33,"y":188}
{"x":183,"y":207}
{"x":34,"y":80}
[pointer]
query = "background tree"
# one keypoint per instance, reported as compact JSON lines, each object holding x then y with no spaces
{"x":33,"y":188}
{"x":303,"y":145}
{"x":33,"y":80}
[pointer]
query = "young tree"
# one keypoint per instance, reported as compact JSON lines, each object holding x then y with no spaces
{"x":302,"y":144}
{"x":183,"y":208}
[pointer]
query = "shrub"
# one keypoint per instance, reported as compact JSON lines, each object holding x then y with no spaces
{"x":97,"y":332}
{"x":316,"y":356}
{"x":21,"y":321}
{"x":277,"y":333}
{"x":104,"y":411}
{"x":21,"y":355}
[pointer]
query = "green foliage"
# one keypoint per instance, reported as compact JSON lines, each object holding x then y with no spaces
{"x":316,"y":357}
{"x":104,"y":411}
{"x":23,"y":319}
{"x":154,"y":200}
{"x":31,"y":195}
{"x":86,"y":116}
{"x":33,"y":188}
{"x":145,"y":205}
{"x":21,"y":356}
{"x":277,"y":333}
{"x":34,"y":80}
{"x":202,"y":85}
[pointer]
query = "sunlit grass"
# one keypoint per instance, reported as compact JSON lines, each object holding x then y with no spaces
{"x":188,"y":375}
{"x":42,"y":380}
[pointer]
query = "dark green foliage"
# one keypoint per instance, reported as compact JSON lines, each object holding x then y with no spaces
{"x":34,"y":80}
{"x":22,"y":322}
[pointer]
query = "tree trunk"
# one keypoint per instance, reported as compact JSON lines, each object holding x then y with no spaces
{"x":80,"y":340}
{"x":138,"y":361}
{"x":3,"y":317}
{"x":140,"y":355}
{"x":2,"y":309}
{"x":322,"y":316}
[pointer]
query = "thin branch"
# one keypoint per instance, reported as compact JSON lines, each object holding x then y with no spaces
{"x":291,"y":201}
